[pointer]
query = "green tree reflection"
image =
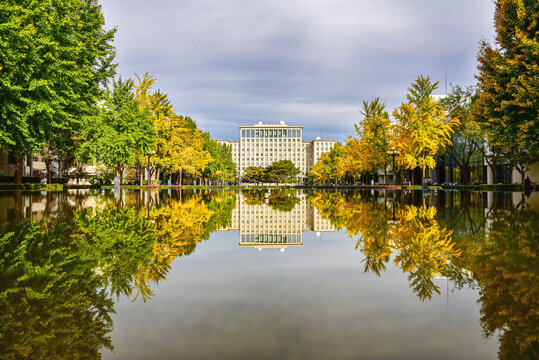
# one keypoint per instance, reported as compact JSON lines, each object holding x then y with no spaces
{"x":53,"y":302}
{"x":279,"y":200}
{"x":59,"y":276}
{"x":121,"y":240}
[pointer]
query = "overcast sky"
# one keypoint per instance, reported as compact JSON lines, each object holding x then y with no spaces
{"x":306,"y":62}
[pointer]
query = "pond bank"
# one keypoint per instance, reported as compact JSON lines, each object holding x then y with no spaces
{"x":60,"y":187}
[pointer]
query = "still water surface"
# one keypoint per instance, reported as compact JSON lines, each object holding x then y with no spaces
{"x":277,"y":275}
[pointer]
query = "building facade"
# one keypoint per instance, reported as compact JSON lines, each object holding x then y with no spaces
{"x":32,"y":165}
{"x":263,"y":144}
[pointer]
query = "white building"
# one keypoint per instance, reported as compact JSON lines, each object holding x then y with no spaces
{"x":32,"y":165}
{"x":263,"y":144}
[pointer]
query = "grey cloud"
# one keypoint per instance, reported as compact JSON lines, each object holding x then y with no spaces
{"x":307,"y":62}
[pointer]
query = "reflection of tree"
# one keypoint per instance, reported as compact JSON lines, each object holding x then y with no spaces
{"x":422,"y":248}
{"x":179,"y":227}
{"x":331,"y":206}
{"x":121,"y":240}
{"x":254,"y":197}
{"x":496,"y":253}
{"x":279,"y":200}
{"x":221,"y":204}
{"x":58,"y":277}
{"x":283,"y":200}
{"x":51,"y":298}
{"x":507,"y":269}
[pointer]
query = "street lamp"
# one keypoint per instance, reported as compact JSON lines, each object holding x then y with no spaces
{"x":149,"y":174}
{"x":393,"y":152}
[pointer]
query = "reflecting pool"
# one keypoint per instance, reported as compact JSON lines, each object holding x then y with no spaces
{"x":279,"y":274}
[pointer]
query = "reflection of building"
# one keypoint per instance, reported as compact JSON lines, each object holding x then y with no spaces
{"x":263,"y":144}
{"x":261,"y":226}
{"x":39,"y":205}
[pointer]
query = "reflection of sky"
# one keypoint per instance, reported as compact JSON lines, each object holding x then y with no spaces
{"x":310,"y":302}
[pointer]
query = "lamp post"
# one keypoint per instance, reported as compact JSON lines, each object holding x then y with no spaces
{"x":393,"y":152}
{"x":149,"y":173}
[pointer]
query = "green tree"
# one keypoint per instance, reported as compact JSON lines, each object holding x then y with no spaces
{"x":221,"y":167}
{"x":331,"y":166}
{"x":508,"y":102}
{"x":468,"y":138}
{"x":254,"y":174}
{"x":221,"y":204}
{"x":54,"y":59}
{"x":120,"y":131}
{"x":282,"y":171}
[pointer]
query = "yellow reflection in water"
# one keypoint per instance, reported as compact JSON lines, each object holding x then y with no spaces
{"x":421,"y":247}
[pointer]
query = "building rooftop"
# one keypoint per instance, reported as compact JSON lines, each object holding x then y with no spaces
{"x":281,"y":123}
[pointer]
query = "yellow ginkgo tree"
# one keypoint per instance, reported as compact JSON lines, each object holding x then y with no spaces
{"x":180,"y":145}
{"x":421,"y":128}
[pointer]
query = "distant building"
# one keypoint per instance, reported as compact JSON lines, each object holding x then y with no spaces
{"x":263,"y":144}
{"x":32,"y":165}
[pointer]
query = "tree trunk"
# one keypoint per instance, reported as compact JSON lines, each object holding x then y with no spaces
{"x":181,"y":176}
{"x":31,"y":164}
{"x":77,"y":172}
{"x":493,"y":170}
{"x":48,"y":167}
{"x":465,"y":174}
{"x":17,"y":176}
{"x":119,"y":173}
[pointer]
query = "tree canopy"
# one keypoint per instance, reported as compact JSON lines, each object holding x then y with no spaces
{"x":283,"y":171}
{"x":508,"y":102}
{"x":54,"y":60}
{"x":421,"y":128}
{"x":121,"y":130}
